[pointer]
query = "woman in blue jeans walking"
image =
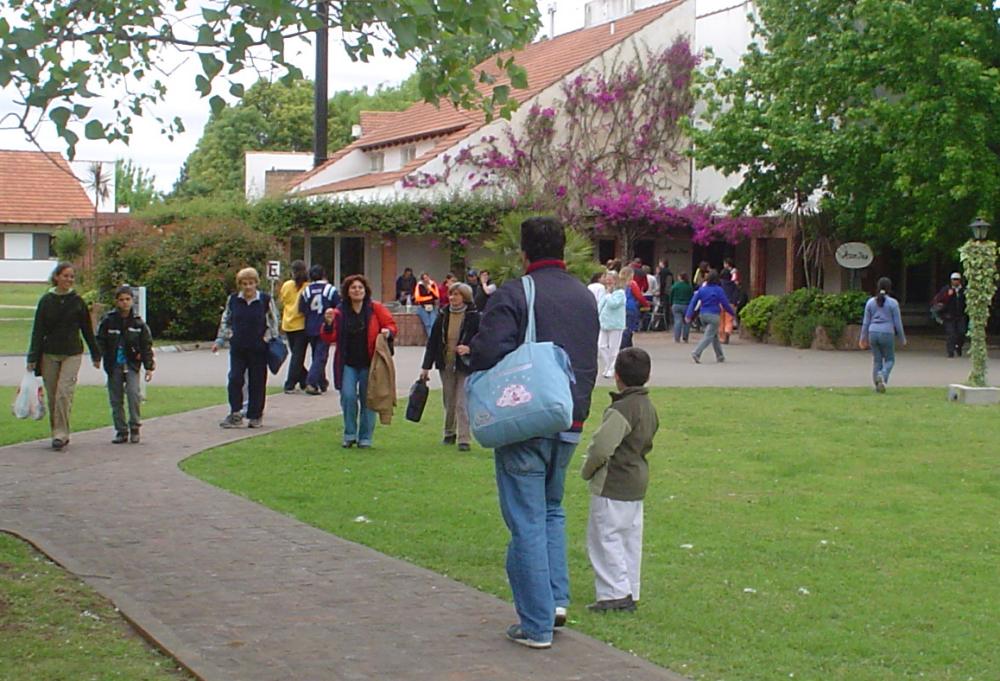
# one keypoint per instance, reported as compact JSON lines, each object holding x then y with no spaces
{"x":881,"y":325}
{"x":708,"y":302}
{"x":354,"y":326}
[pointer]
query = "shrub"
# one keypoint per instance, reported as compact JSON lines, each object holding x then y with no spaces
{"x":756,"y":315}
{"x":69,"y":244}
{"x":848,"y":307}
{"x":803,"y":329}
{"x":834,"y":327}
{"x":790,"y":309}
{"x":187,"y":272}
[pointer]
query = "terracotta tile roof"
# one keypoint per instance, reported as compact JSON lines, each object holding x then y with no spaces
{"x":371,"y":120}
{"x":39,"y":189}
{"x":546,"y":62}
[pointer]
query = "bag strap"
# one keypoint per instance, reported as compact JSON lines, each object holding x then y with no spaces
{"x":529,"y":296}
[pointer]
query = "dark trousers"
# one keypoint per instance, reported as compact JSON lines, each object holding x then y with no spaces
{"x":297,"y":342}
{"x":250,"y":365}
{"x":317,"y":369}
{"x":954,"y":329}
{"x":631,"y":326}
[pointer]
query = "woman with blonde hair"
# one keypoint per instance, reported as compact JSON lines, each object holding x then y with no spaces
{"x":249,"y":321}
{"x":611,"y":313}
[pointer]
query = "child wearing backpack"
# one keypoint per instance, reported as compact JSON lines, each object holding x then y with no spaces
{"x":126,"y":344}
{"x":618,"y":472}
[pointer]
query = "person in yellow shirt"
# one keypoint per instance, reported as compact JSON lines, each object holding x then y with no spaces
{"x":293,"y":325}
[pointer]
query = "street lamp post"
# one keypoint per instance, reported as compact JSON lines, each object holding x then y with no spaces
{"x":979,"y":262}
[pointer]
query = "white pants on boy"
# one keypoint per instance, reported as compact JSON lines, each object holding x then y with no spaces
{"x":614,"y":546}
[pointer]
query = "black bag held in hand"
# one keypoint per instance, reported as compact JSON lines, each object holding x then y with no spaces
{"x":418,"y":400}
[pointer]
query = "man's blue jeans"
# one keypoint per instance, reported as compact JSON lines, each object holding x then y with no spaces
{"x":530,"y":480}
{"x":317,"y":376}
{"x":681,"y":328}
{"x":883,"y":353}
{"x":359,"y":420}
{"x":427,"y":317}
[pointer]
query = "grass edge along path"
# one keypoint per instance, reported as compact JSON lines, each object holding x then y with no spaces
{"x":54,"y":626}
{"x":91,"y":409}
{"x":790,"y":533}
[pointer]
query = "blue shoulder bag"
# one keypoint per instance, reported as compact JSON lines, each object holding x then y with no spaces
{"x":527,"y":394}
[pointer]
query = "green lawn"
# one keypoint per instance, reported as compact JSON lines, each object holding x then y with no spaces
{"x":22,"y":294}
{"x":790,"y":533}
{"x":14,"y":335}
{"x":91,"y":410}
{"x":53,"y":626}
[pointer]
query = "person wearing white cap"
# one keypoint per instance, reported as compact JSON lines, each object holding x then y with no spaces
{"x":950,"y":306}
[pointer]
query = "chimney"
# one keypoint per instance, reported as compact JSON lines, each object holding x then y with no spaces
{"x":355,"y":131}
{"x":552,"y":20}
{"x":612,"y":28}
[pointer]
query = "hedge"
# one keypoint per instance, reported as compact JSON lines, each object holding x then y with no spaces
{"x":792,"y":319}
{"x":188,"y":272}
{"x":456,"y":220}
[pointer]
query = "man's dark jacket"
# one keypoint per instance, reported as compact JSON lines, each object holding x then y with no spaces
{"x":954,"y":303}
{"x":130,"y":332}
{"x":565,"y":313}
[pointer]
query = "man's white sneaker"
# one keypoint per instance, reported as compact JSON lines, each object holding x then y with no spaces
{"x":560,"y":620}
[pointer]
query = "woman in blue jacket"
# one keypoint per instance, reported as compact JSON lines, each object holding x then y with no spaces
{"x":709,"y":301}
{"x":881,"y":325}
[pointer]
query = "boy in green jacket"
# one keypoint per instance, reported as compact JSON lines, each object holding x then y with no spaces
{"x":618,"y":473}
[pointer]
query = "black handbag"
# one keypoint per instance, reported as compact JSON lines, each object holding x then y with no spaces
{"x":418,"y":400}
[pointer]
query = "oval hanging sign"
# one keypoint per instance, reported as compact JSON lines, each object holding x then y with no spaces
{"x":854,"y":255}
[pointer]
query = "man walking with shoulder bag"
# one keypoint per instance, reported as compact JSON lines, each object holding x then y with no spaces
{"x":531,"y":474}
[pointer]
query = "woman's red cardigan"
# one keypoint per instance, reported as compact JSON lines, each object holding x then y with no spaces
{"x":380,"y":319}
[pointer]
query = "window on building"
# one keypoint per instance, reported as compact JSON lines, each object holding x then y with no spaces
{"x":42,"y":247}
{"x":377,"y":161}
{"x":408,"y":153}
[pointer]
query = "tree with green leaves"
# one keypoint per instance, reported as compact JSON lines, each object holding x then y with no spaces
{"x":135,"y":188}
{"x":57,"y":56}
{"x":886,"y":115}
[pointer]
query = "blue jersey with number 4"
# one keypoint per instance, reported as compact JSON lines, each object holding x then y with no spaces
{"x":316,"y":299}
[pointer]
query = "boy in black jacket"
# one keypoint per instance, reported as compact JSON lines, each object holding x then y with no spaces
{"x":126,"y":343}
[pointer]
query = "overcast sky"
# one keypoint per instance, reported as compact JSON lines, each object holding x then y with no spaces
{"x":154,"y":151}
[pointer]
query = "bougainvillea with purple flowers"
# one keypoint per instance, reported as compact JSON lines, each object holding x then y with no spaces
{"x":605,"y":155}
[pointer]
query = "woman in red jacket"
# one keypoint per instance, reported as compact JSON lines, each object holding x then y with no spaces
{"x":354,"y":325}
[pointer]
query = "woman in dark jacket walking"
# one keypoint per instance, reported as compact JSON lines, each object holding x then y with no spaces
{"x":249,"y":320}
{"x":448,"y":350}
{"x":354,"y":326}
{"x":55,"y":351}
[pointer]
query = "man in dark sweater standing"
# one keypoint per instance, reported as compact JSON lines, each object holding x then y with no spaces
{"x":531,"y":474}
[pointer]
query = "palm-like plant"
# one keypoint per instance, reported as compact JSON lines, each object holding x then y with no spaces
{"x":504,"y":259}
{"x":98,"y":181}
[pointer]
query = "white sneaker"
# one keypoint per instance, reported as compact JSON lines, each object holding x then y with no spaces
{"x":560,"y":620}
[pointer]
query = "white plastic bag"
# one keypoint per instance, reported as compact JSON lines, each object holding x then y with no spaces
{"x":30,"y":398}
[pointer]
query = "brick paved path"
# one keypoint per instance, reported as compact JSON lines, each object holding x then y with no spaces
{"x":237,"y":591}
